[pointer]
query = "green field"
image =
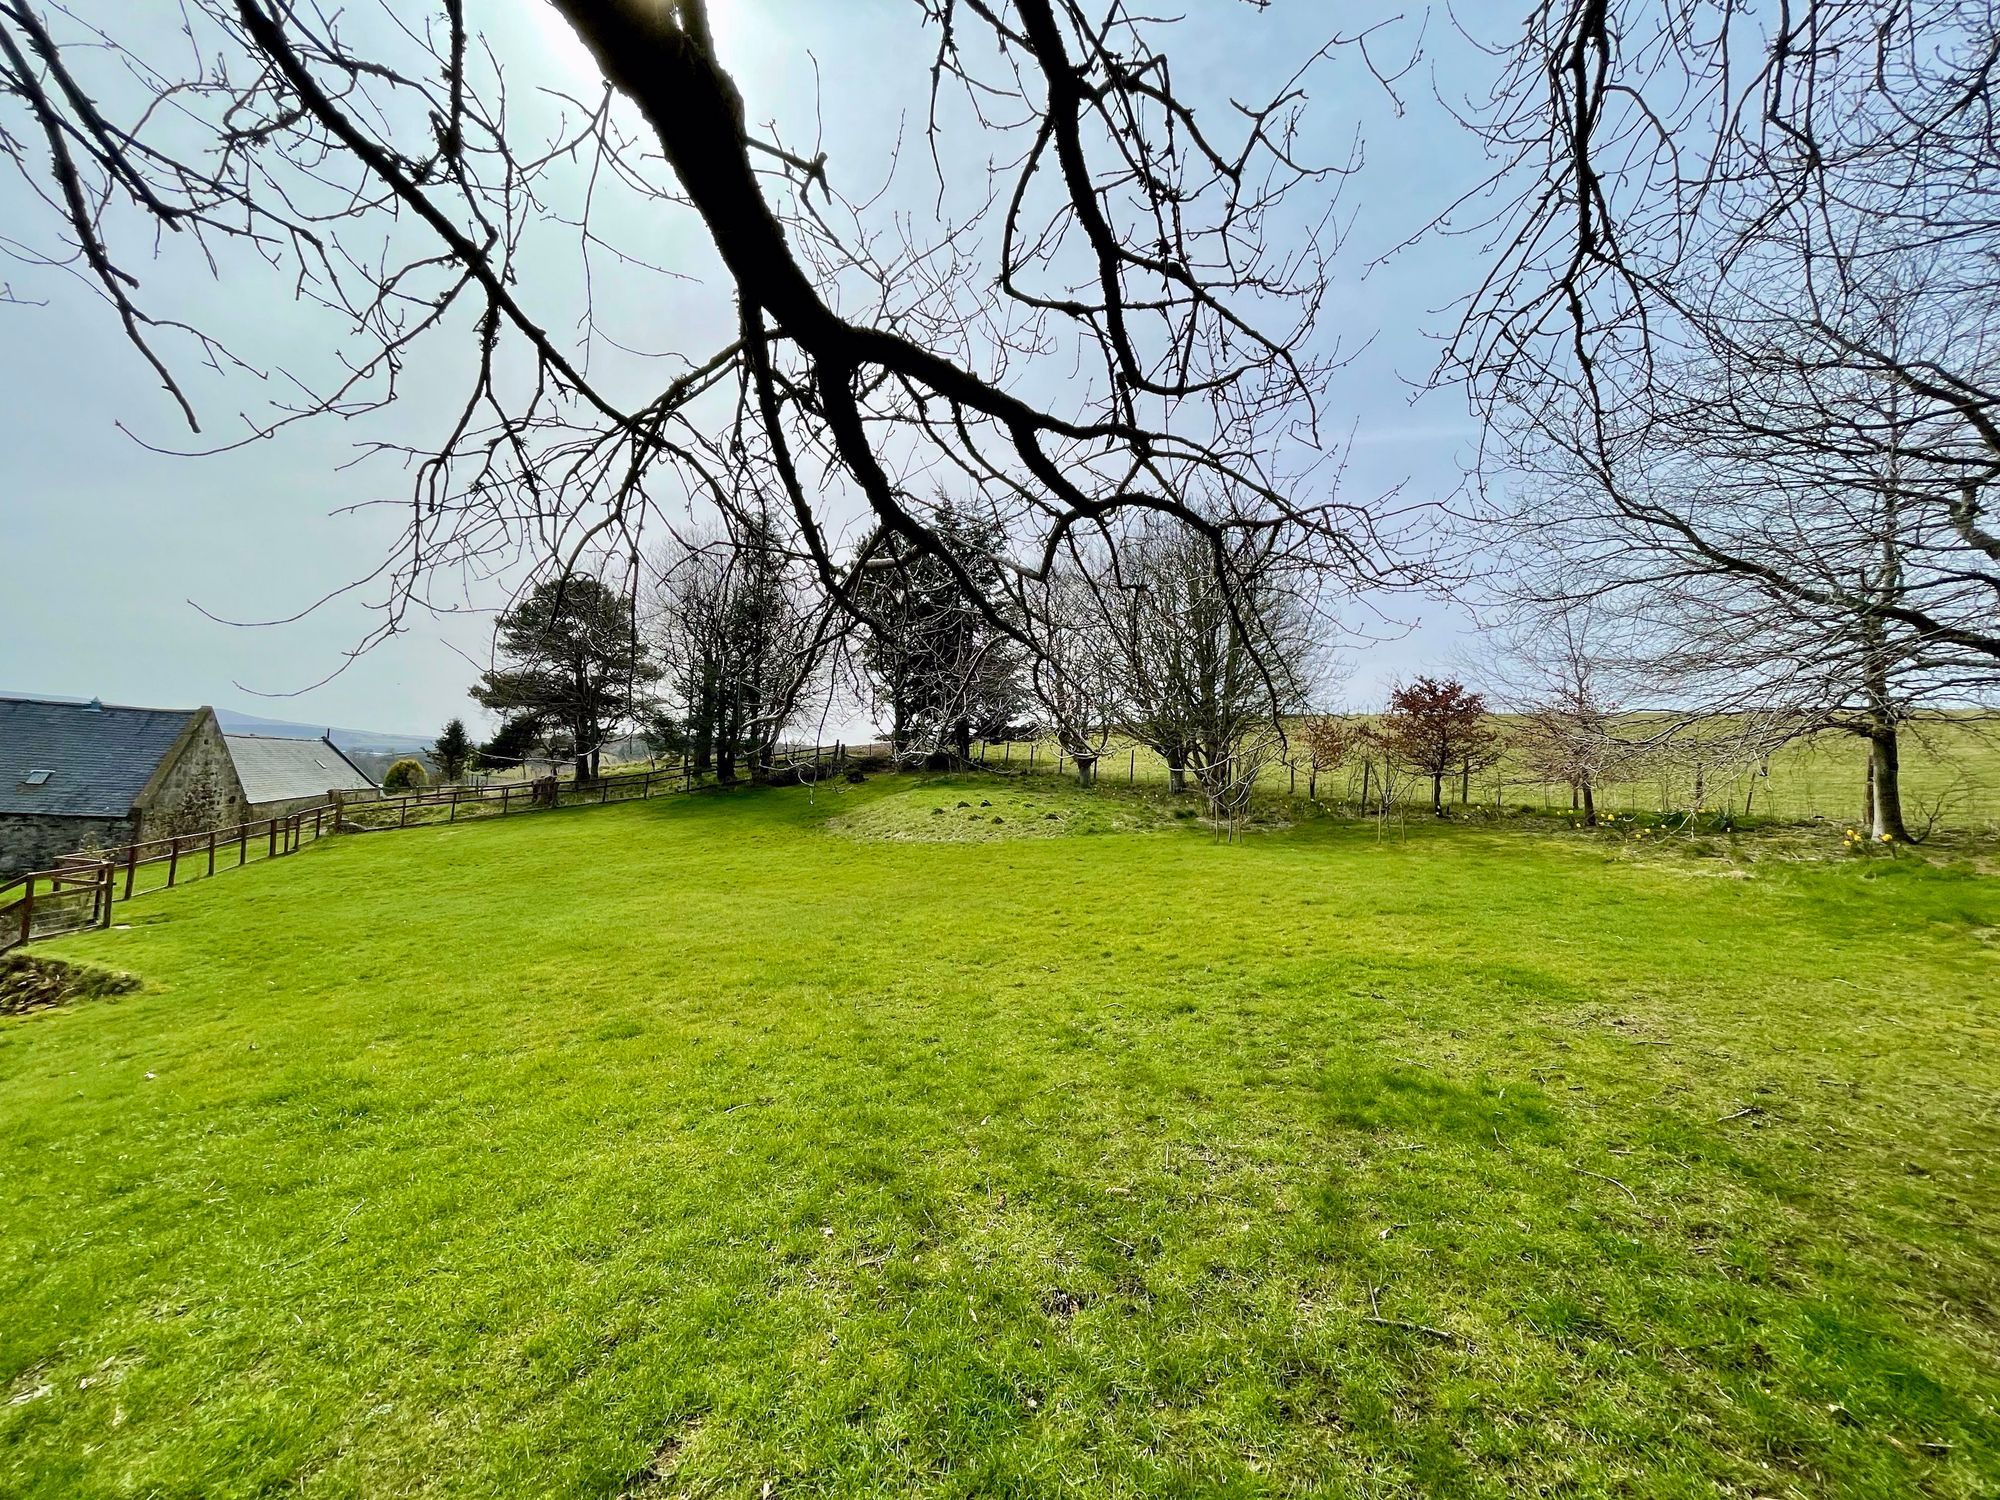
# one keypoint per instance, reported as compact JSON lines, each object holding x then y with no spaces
{"x":887,"y":1141}
{"x":1950,"y":766}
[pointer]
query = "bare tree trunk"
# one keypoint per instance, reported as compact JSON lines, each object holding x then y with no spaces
{"x":1367,"y":767}
{"x":1465,"y":783}
{"x":1086,"y":770}
{"x":1176,"y":775}
{"x":1589,"y":806}
{"x":1437,"y":795}
{"x":1885,"y":778}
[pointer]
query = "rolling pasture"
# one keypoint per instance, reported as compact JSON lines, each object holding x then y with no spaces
{"x":980,"y":1136}
{"x":1951,"y":764}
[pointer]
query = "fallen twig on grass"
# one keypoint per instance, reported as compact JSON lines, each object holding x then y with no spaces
{"x":335,"y":1236}
{"x":1602,"y":1178}
{"x":1374,"y":1315}
{"x":1403,"y":1323}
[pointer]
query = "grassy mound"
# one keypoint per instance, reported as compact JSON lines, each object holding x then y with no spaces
{"x":989,"y":809}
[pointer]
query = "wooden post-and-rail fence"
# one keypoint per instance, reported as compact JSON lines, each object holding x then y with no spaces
{"x":79,"y":892}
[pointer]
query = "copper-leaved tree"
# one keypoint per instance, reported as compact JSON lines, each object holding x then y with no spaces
{"x":1440,"y":728}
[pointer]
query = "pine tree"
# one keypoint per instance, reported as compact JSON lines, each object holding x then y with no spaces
{"x":574,"y":665}
{"x":451,"y":752}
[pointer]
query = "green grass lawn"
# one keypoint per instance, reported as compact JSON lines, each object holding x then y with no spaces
{"x":760,"y":1145}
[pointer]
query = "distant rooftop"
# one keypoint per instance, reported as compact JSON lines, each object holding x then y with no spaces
{"x":275,"y":768}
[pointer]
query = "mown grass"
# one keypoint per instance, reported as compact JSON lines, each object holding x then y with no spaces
{"x":696,"y":1146}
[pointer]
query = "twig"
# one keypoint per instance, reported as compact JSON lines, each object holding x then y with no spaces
{"x":1374,"y":1316}
{"x":1748,"y":1109}
{"x":1404,"y":1323}
{"x":334,"y":1236}
{"x":1602,"y":1178}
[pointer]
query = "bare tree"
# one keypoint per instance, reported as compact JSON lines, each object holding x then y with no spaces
{"x":1765,"y":565}
{"x":1558,"y":675}
{"x":1073,"y":673}
{"x":1120,"y":314}
{"x":1211,"y":656}
{"x":742,"y":640}
{"x":1744,"y":336}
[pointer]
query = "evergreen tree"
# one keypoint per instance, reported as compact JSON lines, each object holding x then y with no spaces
{"x":573,"y":666}
{"x":513,"y":744}
{"x":451,"y":752}
{"x":946,"y":674}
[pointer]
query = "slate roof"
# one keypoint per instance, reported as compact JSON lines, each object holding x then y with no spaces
{"x":99,"y":756}
{"x":274,"y":769}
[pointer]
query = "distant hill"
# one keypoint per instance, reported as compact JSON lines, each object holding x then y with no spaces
{"x":348,"y":739}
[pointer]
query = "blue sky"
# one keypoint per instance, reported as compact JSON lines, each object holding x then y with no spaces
{"x":112,"y":552}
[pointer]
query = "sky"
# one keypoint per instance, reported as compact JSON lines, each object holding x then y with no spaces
{"x":136,"y":575}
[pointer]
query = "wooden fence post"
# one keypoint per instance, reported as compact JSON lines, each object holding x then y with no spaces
{"x":1031,"y":755}
{"x":28,"y":909}
{"x":211,"y":851}
{"x":107,"y":881}
{"x":452,"y":816}
{"x":271,"y":838}
{"x":403,"y":816}
{"x":173,"y":859}
{"x":131,"y":867}
{"x":1132,"y":768}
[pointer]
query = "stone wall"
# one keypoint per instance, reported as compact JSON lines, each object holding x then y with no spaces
{"x":204,"y":755}
{"x":33,"y":841}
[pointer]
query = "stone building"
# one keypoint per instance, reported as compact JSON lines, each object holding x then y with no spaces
{"x":280,"y":776}
{"x":76,"y":774}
